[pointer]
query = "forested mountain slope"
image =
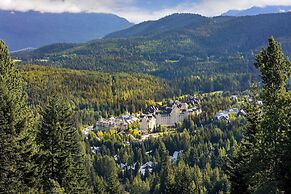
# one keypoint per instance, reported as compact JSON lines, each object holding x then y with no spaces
{"x":192,"y":51}
{"x":113,"y":93}
{"x":228,"y":34}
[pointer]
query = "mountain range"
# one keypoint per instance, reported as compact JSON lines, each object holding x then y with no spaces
{"x":186,"y":49}
{"x":258,"y":10}
{"x":32,"y":29}
{"x":21,"y":30}
{"x":177,"y":36}
{"x":222,"y":34}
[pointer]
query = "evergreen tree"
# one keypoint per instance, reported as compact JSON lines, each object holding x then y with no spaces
{"x":238,"y":167}
{"x":18,"y":172}
{"x":113,"y":185}
{"x":262,"y":162}
{"x":99,"y":185}
{"x":139,"y":187}
{"x":167,"y":178}
{"x":55,"y":187}
{"x":61,"y":156}
{"x":107,"y":169}
{"x":76,"y":160}
{"x":70,"y":182}
{"x":275,"y":135}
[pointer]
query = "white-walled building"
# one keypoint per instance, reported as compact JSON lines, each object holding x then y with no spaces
{"x":148,"y":122}
{"x":222,"y":115}
{"x":169,"y":117}
{"x":120,"y":123}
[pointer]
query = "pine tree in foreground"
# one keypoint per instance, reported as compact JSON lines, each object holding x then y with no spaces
{"x":62,"y":159}
{"x":18,"y":173}
{"x":275,"y":137}
{"x":263,"y":161}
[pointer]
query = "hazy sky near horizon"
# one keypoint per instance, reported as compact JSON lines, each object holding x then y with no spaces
{"x":138,"y":10}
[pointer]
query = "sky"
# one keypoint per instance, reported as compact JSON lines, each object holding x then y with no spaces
{"x":138,"y":10}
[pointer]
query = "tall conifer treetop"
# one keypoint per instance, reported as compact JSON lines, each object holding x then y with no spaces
{"x":263,"y":161}
{"x":17,"y":145}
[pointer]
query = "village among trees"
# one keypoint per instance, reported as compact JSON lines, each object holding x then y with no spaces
{"x":208,"y":142}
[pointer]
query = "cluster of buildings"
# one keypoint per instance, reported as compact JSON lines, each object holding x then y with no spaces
{"x":146,"y":166}
{"x":153,"y":117}
{"x":168,"y":116}
{"x":224,"y":115}
{"x":120,"y":123}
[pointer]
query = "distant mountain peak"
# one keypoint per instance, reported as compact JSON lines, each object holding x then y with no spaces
{"x":258,"y":10}
{"x":169,"y":23}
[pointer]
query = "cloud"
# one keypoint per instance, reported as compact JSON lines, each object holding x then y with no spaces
{"x":58,"y":6}
{"x":137,"y":10}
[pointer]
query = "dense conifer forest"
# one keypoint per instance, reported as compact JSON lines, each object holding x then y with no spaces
{"x":94,"y":94}
{"x":43,"y":110}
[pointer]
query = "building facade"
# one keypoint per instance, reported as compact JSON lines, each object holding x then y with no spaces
{"x":169,"y":117}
